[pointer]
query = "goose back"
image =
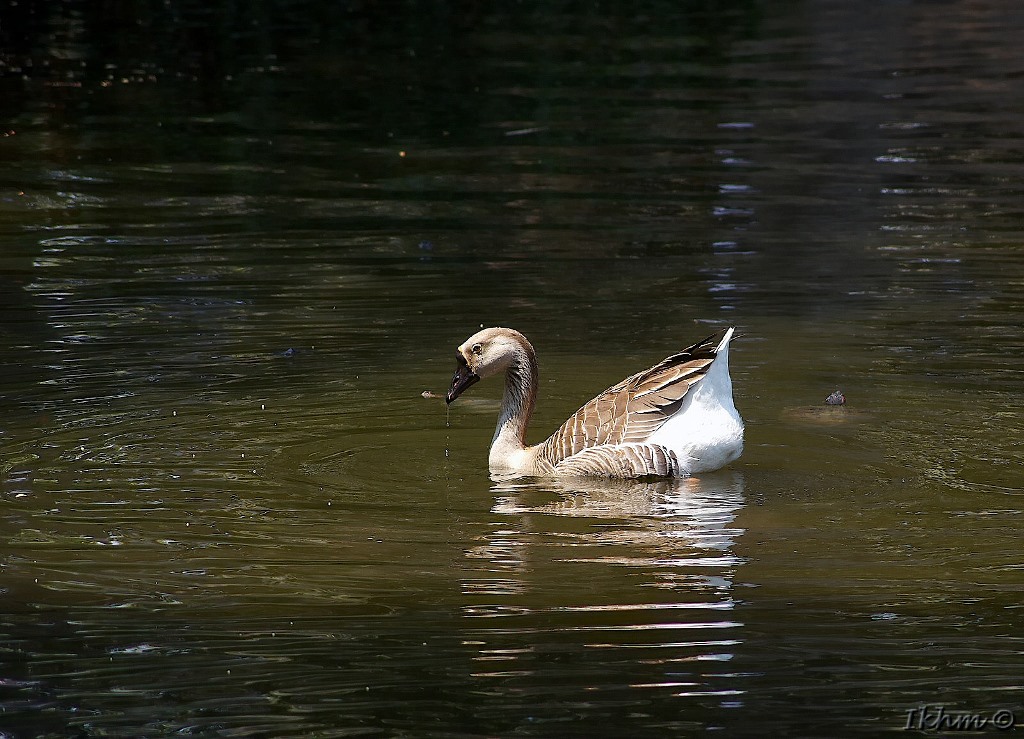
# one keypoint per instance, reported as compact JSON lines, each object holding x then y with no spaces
{"x":627,"y":414}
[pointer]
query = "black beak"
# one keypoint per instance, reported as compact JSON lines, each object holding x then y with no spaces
{"x":464,"y":377}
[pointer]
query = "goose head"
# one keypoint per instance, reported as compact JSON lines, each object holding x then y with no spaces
{"x":485,"y":353}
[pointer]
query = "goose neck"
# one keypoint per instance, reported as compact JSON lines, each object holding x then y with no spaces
{"x":518,"y":401}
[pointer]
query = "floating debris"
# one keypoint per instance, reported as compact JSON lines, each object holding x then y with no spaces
{"x":836,"y":398}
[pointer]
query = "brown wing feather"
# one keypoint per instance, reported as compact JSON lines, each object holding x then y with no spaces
{"x":635,"y":408}
{"x":622,"y":461}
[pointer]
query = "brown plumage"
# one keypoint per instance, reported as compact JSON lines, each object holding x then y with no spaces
{"x":635,"y":408}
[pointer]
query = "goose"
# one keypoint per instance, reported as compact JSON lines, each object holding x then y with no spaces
{"x":674,"y":419}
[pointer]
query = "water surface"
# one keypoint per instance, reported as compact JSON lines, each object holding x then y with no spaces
{"x":234,"y":253}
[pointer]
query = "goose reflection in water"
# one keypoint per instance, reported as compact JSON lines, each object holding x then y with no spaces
{"x":645,"y":568}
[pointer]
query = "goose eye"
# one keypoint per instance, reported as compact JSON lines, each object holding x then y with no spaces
{"x":477,"y":348}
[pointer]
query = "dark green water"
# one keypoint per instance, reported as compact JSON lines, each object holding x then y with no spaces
{"x":237,"y":245}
